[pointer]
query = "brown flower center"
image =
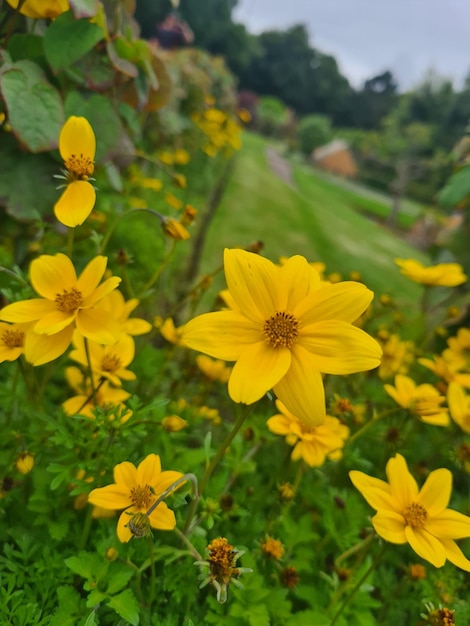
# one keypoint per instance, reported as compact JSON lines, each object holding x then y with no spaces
{"x":281,"y":330}
{"x":110,"y":363}
{"x":142,"y":497}
{"x":13,"y":338}
{"x":79,"y":166}
{"x":69,"y":300}
{"x":415,"y":515}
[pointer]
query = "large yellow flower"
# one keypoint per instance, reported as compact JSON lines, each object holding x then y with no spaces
{"x":41,"y":9}
{"x":423,"y":400}
{"x":135,"y":490}
{"x":313,"y":445}
{"x":67,"y":302}
{"x":77,"y":146}
{"x":419,"y":517}
{"x":286,"y":330}
{"x":444,"y":274}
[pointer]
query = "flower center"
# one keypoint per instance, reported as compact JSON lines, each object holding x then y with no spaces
{"x":69,"y":300}
{"x":110,"y":363}
{"x":142,"y":497}
{"x":13,"y":338}
{"x":79,"y":166}
{"x":415,"y":515}
{"x":281,"y":330}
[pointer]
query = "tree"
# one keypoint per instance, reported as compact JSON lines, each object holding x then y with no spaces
{"x":314,"y":131}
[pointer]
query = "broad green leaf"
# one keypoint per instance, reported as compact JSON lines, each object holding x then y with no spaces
{"x":67,"y":40}
{"x":119,"y":579}
{"x":27,"y":46}
{"x":27,"y":187}
{"x":85,"y":564}
{"x":95,"y":597}
{"x":34,"y":106}
{"x":456,"y":189}
{"x":126,"y":606}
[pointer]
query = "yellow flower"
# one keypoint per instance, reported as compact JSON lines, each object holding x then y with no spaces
{"x":273,"y":548}
{"x":108,"y":362}
{"x":174,"y":423}
{"x":155,"y":184}
{"x":107,"y":397}
{"x":286,"y":330}
{"x":25,"y":462}
{"x":41,"y":9}
{"x":170,"y":333}
{"x":214,"y":370}
{"x":423,"y":400}
{"x":397,"y":355}
{"x":459,"y":406}
{"x":174,"y":229}
{"x":12,"y":340}
{"x":66,"y":303}
{"x":173,"y":201}
{"x":419,"y":517}
{"x":444,"y":274}
{"x":77,"y":146}
{"x":181,"y":156}
{"x":447,"y":370}
{"x":135,"y":490}
{"x":121,"y":309}
{"x":313,"y":445}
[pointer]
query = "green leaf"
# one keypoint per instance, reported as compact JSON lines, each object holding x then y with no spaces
{"x":456,"y":189}
{"x":85,"y":564}
{"x":27,"y":187}
{"x":27,"y":46}
{"x":119,"y":579}
{"x":91,"y":619}
{"x":84,"y":8}
{"x":126,"y":606}
{"x":67,"y":40}
{"x":34,"y":106}
{"x":95,"y":597}
{"x":69,"y":607}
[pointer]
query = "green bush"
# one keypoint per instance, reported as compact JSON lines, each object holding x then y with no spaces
{"x":314,"y":131}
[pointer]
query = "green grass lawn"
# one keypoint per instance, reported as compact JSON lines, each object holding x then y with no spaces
{"x":315,"y":219}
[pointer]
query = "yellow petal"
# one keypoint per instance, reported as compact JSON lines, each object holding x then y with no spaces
{"x":340,"y":348}
{"x":111,"y":497}
{"x":390,"y":526}
{"x":253,"y":283}
{"x":301,"y":389}
{"x":40,"y":349}
{"x":279,"y":425}
{"x":298,"y":279}
{"x":449,"y":524}
{"x":435,"y":493}
{"x":136,"y":326}
{"x":403,"y":487}
{"x":97,"y":325}
{"x":122,"y":530}
{"x":375,"y":491}
{"x":100,"y":292}
{"x":77,"y":138}
{"x":54,"y":322}
{"x":345,"y":301}
{"x":393,"y":393}
{"x":50,"y":275}
{"x":455,"y":554}
{"x":312,"y":453}
{"x":148,"y":470}
{"x":125,"y":474}
{"x":223,"y":335}
{"x":76,"y":203}
{"x":426,"y":546}
{"x":91,"y":276}
{"x":258,"y":368}
{"x":162,"y":518}
{"x":165,"y":480}
{"x":27,"y":310}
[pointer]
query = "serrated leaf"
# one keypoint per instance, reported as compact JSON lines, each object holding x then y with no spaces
{"x":85,"y":564}
{"x":67,"y":40}
{"x":84,"y":8}
{"x":118,"y":580}
{"x":69,"y":607}
{"x":95,"y":597}
{"x":456,"y":189}
{"x":125,"y":605}
{"x":35,"y":109}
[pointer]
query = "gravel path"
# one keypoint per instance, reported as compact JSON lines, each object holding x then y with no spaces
{"x":281,"y":167}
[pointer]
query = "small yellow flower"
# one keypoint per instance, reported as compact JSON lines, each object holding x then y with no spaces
{"x":423,"y":400}
{"x":135,"y":490}
{"x":77,"y":146}
{"x":286,"y":330}
{"x":459,"y":406}
{"x":166,"y":157}
{"x":444,"y":274}
{"x":170,"y":332}
{"x":174,"y":423}
{"x":312,"y":444}
{"x":286,"y":492}
{"x":155,"y":184}
{"x":417,"y":571}
{"x":12,"y":340}
{"x":173,"y":201}
{"x":397,"y":356}
{"x":174,"y":229}
{"x":189,"y":215}
{"x":273,"y":548}
{"x":41,"y":9}
{"x":121,"y":310}
{"x":67,"y":302}
{"x":213,"y":369}
{"x":179,"y":181}
{"x":419,"y":517}
{"x":447,"y":370}
{"x":25,"y":462}
{"x":181,"y":156}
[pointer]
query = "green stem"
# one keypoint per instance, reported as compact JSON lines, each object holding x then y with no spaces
{"x":138,"y":581}
{"x":189,"y":545}
{"x":358,"y":585}
{"x":213,"y":464}
{"x":86,"y":528}
{"x":368,"y":424}
{"x":112,"y":228}
{"x":70,"y":240}
{"x":152,"y":572}
{"x":356,"y":548}
{"x":90,"y":370}
{"x":159,"y":269}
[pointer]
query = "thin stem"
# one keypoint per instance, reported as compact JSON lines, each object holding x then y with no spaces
{"x":152,"y":571}
{"x":356,"y":548}
{"x":112,"y":228}
{"x":358,"y":585}
{"x":138,"y":577}
{"x":86,"y":528}
{"x":213,"y":464}
{"x":374,"y":419}
{"x":70,"y":240}
{"x":189,"y":545}
{"x":90,"y":369}
{"x":160,"y":268}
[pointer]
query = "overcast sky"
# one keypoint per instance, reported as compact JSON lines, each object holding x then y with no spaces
{"x":366,"y":37}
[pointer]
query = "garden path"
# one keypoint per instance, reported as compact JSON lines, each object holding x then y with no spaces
{"x":280,"y":166}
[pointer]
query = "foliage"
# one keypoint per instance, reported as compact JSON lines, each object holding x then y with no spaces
{"x":314,"y":131}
